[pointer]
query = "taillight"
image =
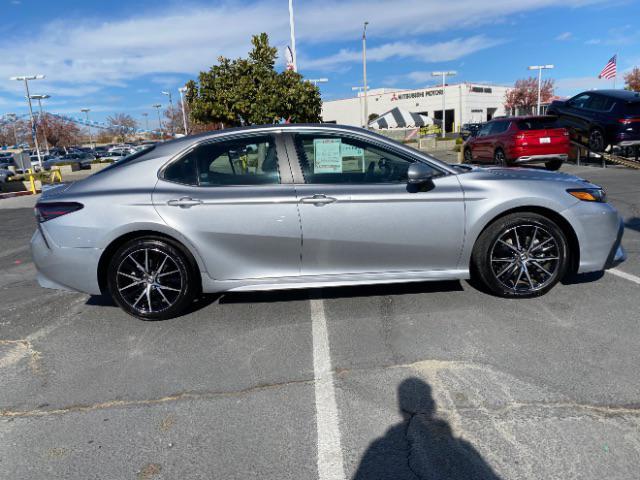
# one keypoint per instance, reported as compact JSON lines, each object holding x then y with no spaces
{"x":627,"y":121}
{"x":519,"y":136}
{"x":47,"y":211}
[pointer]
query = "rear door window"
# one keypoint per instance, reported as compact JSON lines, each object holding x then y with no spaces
{"x":632,"y":109}
{"x":499,"y":127}
{"x":600,"y":103}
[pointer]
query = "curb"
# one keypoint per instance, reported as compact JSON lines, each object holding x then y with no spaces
{"x":14,"y":194}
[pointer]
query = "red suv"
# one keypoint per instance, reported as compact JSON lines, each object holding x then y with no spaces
{"x":518,"y":140}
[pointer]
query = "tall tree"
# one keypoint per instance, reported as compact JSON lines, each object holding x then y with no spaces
{"x":249,"y":91}
{"x":524,"y":94}
{"x":632,"y":80}
{"x":122,"y":126}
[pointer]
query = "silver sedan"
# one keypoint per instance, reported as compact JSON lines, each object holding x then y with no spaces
{"x":298,"y":206}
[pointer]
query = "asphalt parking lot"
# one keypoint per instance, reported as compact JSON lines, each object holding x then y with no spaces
{"x":430,"y":380}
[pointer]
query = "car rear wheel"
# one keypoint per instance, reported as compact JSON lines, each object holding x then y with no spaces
{"x":468,"y":156}
{"x":152,"y":279}
{"x":521,"y":255}
{"x":499,"y":158}
{"x":553,"y":165}
{"x":596,"y":140}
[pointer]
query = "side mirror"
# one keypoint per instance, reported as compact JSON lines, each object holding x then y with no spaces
{"x":419,"y":173}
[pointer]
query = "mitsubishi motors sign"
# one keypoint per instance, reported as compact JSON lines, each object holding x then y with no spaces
{"x":418,"y":94}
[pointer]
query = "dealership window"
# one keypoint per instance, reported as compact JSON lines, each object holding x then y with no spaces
{"x":335,"y":159}
{"x":250,"y":161}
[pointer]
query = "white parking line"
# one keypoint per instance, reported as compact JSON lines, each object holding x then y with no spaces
{"x":625,"y":275}
{"x":330,"y":461}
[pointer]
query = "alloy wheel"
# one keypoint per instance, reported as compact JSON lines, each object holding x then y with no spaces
{"x":499,"y":158}
{"x":525,"y":258}
{"x":149,"y":280}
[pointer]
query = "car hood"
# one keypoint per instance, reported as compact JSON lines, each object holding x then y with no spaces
{"x":527,"y":174}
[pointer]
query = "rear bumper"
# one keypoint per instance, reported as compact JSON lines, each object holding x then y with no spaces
{"x":541,"y":158}
{"x":65,"y":268}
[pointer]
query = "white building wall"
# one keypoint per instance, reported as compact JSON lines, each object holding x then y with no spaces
{"x":469,"y":105}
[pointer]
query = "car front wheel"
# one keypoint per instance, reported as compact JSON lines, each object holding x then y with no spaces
{"x":152,"y":279}
{"x":520,"y":255}
{"x":468,"y":156}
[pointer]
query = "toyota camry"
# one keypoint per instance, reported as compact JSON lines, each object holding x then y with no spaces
{"x":299,"y":206}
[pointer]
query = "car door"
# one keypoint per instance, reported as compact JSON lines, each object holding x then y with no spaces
{"x":574,"y":116}
{"x":482,"y":143}
{"x":360,"y":216}
{"x":233,"y":199}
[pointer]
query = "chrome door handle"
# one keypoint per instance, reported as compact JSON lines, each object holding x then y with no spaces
{"x":318,"y":200}
{"x":184,"y":202}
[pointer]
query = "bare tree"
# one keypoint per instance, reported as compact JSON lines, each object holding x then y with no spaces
{"x":58,"y":131}
{"x":122,"y":126}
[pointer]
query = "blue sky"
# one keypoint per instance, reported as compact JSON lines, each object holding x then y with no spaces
{"x":117,"y":56}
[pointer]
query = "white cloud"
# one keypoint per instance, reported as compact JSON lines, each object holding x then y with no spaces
{"x":436,"y":52}
{"x":593,"y":41}
{"x":564,"y":36}
{"x":88,"y":54}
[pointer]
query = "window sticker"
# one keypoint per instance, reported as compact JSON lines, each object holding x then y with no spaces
{"x":326,"y":154}
{"x":352,"y":158}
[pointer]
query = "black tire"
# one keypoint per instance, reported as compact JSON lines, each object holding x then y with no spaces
{"x":498,"y":258}
{"x":467,"y":156}
{"x":499,"y":158}
{"x":596,"y":141}
{"x":553,"y":165}
{"x":152,"y":279}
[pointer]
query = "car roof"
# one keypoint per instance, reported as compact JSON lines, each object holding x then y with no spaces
{"x":176,"y":145}
{"x":522,"y":117}
{"x":627,"y":95}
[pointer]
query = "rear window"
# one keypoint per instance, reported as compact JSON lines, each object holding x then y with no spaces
{"x":126,"y":160}
{"x":632,"y":108}
{"x":537,"y":124}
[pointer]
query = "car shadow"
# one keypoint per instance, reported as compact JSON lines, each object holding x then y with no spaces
{"x":292,"y":295}
{"x":341,"y":292}
{"x":578,"y":278}
{"x":422,"y":445}
{"x":633,"y":223}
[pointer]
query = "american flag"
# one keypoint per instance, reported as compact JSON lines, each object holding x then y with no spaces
{"x":609,"y":70}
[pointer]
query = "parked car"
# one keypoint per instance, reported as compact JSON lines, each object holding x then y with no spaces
{"x":82,"y":159}
{"x":519,"y":140}
{"x":5,"y":175}
{"x":601,"y":118}
{"x":470,"y":130}
{"x":226,"y":211}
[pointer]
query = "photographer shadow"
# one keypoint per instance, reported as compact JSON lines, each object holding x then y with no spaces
{"x":422,"y":446}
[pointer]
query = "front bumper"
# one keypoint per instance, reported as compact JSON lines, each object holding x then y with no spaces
{"x":599,"y":229}
{"x":541,"y":158}
{"x":65,"y":268}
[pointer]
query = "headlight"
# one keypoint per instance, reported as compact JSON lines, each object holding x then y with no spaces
{"x":588,"y":194}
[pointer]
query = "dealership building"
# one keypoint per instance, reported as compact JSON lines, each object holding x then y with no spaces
{"x":464,"y":103}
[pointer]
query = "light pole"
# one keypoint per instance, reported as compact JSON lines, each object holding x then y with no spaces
{"x":25,"y":79}
{"x":540,"y":68}
{"x":146,"y":120}
{"x":364,"y":73}
{"x":359,"y":90}
{"x":182,"y":91}
{"x":86,"y":113}
{"x":41,"y":116}
{"x":444,"y":111}
{"x":157,"y":106}
{"x":170,"y":109}
{"x":292,"y":28}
